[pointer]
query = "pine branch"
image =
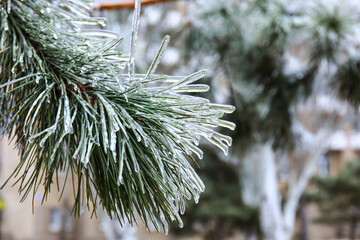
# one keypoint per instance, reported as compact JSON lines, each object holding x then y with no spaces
{"x":131,"y":4}
{"x":124,"y":139}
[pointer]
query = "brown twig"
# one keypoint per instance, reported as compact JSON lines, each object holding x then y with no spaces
{"x":82,"y":88}
{"x":130,"y":4}
{"x":2,"y":5}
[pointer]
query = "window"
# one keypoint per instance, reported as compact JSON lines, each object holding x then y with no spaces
{"x":357,"y":124}
{"x":55,"y":220}
{"x":324,"y":166}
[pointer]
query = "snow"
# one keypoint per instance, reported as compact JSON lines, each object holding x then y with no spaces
{"x":341,"y":140}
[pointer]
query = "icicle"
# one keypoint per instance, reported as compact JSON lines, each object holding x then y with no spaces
{"x":75,"y":156}
{"x":205,"y":132}
{"x":226,"y":124}
{"x":176,"y":203}
{"x":157,"y":157}
{"x":9,"y":6}
{"x":192,"y":88}
{"x":187,"y":80}
{"x":198,"y":181}
{"x":222,"y":107}
{"x":67,"y":115}
{"x":222,"y":137}
{"x":154,"y":203}
{"x":98,"y":33}
{"x":82,"y":4}
{"x":83,"y":153}
{"x":187,"y":194}
{"x":121,"y":163}
{"x":77,"y":11}
{"x":155,"y":222}
{"x":122,"y":89}
{"x":49,"y":130}
{"x":113,"y":143}
{"x":195,"y":150}
{"x":172,"y":206}
{"x":43,"y":140}
{"x":133,"y":158}
{"x":196,"y":198}
{"x":14,"y":67}
{"x":72,"y":120}
{"x":179,"y":220}
{"x":104,"y":129}
{"x":133,"y":40}
{"x":142,"y":187}
{"x":217,"y":142}
{"x":210,"y":114}
{"x":92,"y":21}
{"x":129,"y":168}
{"x":81,"y":209}
{"x":34,"y":115}
{"x":30,"y":53}
{"x":41,"y":96}
{"x":138,"y":137}
{"x":52,"y":157}
{"x":4,"y":22}
{"x":182,"y":205}
{"x":21,"y":59}
{"x":166,"y":227}
{"x":120,"y":177}
{"x":87,"y":158}
{"x":158,"y":57}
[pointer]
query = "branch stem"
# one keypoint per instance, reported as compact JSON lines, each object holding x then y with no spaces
{"x":129,"y":4}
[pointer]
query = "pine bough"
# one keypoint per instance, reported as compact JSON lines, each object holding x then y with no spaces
{"x":124,"y":139}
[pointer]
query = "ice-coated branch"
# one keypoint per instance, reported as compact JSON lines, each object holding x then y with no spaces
{"x":124,"y":139}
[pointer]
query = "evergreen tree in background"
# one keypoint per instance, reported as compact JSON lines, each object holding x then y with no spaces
{"x":292,"y":72}
{"x":273,"y":53}
{"x":337,"y":198}
{"x":123,"y":139}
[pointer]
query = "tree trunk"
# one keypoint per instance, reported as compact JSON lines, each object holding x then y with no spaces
{"x":217,"y":232}
{"x":353,"y":226}
{"x":277,"y":221}
{"x":304,"y":220}
{"x":271,"y":219}
{"x":260,"y":188}
{"x":251,"y":234}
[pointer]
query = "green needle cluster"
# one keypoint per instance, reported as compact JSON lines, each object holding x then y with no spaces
{"x":123,"y":139}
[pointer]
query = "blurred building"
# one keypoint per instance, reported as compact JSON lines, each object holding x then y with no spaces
{"x":345,"y":146}
{"x":32,"y":220}
{"x":52,"y":221}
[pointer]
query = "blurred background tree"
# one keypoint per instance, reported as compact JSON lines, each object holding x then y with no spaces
{"x":337,"y":198}
{"x":285,"y":65}
{"x":291,"y":69}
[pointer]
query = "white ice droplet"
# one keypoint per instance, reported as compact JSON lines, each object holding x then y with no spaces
{"x":67,"y":115}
